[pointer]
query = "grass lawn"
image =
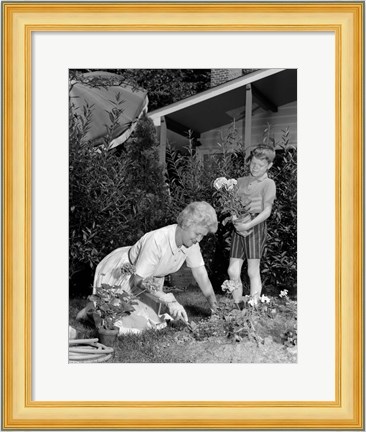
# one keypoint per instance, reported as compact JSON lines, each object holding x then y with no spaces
{"x":146,"y":348}
{"x":176,"y":344}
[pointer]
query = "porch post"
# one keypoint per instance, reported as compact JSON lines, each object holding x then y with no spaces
{"x":163,"y":139}
{"x":248,"y":115}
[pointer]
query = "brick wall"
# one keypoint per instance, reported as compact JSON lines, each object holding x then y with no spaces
{"x":220,"y":76}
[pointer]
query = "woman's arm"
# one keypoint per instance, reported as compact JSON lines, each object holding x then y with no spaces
{"x":136,"y":282}
{"x":176,"y":310}
{"x":201,"y":277}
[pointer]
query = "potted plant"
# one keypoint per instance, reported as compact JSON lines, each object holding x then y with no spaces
{"x":109,"y":306}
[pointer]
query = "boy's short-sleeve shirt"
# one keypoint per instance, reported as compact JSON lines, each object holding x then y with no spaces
{"x":156,"y":253}
{"x":259,"y":192}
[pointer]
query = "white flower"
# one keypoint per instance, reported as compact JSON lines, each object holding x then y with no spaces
{"x":230,"y":285}
{"x":230,"y":184}
{"x":116,"y":302}
{"x":264,"y":299}
{"x":220,"y":182}
{"x":284,"y":293}
{"x":251,"y":302}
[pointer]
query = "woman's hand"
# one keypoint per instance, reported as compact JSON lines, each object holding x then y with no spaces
{"x":176,"y":310}
{"x":213,"y":304}
{"x":244,"y":233}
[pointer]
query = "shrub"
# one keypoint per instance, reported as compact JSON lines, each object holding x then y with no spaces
{"x":191,"y":178}
{"x":97,"y":201}
{"x":279,"y":267}
{"x":114,"y":196}
{"x":149,"y":202}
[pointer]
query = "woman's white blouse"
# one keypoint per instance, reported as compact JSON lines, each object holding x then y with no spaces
{"x":156,"y":253}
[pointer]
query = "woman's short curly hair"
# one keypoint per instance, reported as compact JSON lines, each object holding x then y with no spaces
{"x":198,"y":213}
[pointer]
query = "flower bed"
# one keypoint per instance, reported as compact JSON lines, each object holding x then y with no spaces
{"x":265,"y":333}
{"x":269,"y":317}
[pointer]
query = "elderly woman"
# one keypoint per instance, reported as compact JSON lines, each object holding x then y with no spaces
{"x":157,"y":254}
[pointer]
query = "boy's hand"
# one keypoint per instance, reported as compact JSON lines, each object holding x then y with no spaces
{"x":244,"y":233}
{"x":242,"y":226}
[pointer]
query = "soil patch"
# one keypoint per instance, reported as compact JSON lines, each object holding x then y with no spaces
{"x":219,"y":350}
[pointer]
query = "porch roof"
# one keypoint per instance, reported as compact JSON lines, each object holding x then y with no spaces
{"x":219,"y":105}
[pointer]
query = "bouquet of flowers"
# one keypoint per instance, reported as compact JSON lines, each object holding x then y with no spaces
{"x":230,"y":203}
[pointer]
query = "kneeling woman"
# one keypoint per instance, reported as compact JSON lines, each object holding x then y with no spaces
{"x":156,"y":255}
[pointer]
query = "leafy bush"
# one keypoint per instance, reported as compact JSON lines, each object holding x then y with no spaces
{"x":114,"y":196}
{"x":280,"y":260}
{"x":96,"y":183}
{"x":190,"y":179}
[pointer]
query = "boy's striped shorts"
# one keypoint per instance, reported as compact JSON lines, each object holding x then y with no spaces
{"x":251,"y":246}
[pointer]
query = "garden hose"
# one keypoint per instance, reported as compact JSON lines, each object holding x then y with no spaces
{"x":88,"y":351}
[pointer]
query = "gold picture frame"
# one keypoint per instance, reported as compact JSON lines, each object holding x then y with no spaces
{"x":20,"y":20}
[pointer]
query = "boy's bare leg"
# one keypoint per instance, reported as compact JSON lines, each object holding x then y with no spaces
{"x":234,"y":272}
{"x":254,"y":277}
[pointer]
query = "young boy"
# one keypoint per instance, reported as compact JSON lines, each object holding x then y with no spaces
{"x":249,"y":237}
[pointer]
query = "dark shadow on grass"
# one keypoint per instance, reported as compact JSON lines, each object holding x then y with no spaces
{"x":197,"y":311}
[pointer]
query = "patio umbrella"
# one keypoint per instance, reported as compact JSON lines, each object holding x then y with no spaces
{"x":106,"y":92}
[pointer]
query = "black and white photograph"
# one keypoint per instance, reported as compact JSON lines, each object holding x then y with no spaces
{"x":183,"y":215}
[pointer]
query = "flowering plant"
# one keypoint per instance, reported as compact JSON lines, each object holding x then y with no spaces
{"x":229,"y":201}
{"x":253,"y":301}
{"x":108,"y":305}
{"x":230,"y":285}
{"x":284,"y":293}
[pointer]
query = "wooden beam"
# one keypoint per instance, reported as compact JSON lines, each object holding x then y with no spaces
{"x":248,"y":115}
{"x":180,"y":129}
{"x":163,"y":141}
